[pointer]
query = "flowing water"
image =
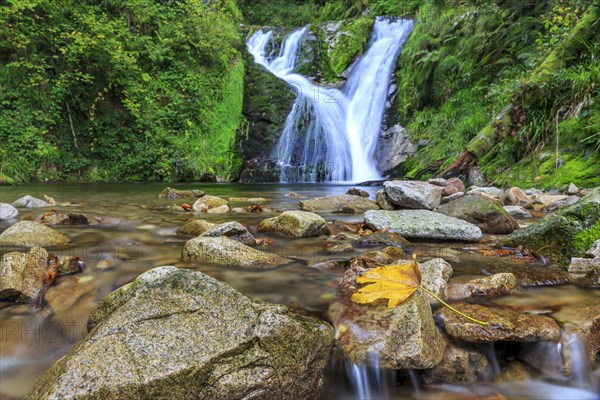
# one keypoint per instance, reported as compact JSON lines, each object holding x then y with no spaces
{"x":331,"y":134}
{"x":138,"y":233}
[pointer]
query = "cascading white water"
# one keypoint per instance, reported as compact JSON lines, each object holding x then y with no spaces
{"x":330,"y":134}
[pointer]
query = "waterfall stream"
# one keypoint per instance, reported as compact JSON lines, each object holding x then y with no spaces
{"x":331,"y":134}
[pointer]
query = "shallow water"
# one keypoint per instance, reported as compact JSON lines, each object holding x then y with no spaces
{"x":138,"y":233}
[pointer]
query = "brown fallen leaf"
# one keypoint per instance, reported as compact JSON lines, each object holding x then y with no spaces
{"x":186,"y":207}
{"x":51,"y":271}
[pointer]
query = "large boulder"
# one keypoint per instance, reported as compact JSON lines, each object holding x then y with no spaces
{"x":180,"y":334}
{"x":414,"y":194}
{"x":7,"y":211}
{"x":565,"y":233}
{"x":226,"y":251}
{"x":295,"y":224}
{"x":504,"y":324}
{"x":422,"y":224}
{"x":482,"y":211}
{"x":401,"y":337}
{"x":393,"y":148}
{"x":585,"y":272}
{"x":30,"y":202}
{"x":22,"y":275}
{"x":344,"y":203}
{"x":30,"y":233}
{"x":233,"y":230}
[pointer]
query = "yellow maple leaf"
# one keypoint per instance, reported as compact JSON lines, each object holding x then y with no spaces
{"x":395,"y":283}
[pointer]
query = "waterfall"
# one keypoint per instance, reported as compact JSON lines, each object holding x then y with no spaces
{"x":331,"y":134}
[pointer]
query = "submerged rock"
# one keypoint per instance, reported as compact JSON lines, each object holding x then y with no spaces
{"x":414,"y":194}
{"x":422,"y":224}
{"x":7,"y":211}
{"x":295,"y":224}
{"x":67,"y":293}
{"x":233,"y":230}
{"x":224,"y":209}
{"x":170,"y":193}
{"x":56,"y":218}
{"x":504,"y":324}
{"x":401,"y":337}
{"x":180,"y":334}
{"x":30,"y":233}
{"x":30,"y":202}
{"x":556,"y":235}
{"x":344,"y":203}
{"x":195,"y":227}
{"x":226,"y":251}
{"x":22,"y":275}
{"x":484,"y":212}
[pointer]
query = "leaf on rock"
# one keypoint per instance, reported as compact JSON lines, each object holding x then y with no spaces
{"x":395,"y":283}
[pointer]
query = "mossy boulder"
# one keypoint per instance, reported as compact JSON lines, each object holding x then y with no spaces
{"x":180,"y":334}
{"x":225,"y":251}
{"x":344,"y":203}
{"x":564,"y":234}
{"x":296,"y":224}
{"x":482,"y":211}
{"x":195,"y":227}
{"x":31,"y":233}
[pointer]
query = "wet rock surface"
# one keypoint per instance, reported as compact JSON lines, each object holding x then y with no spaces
{"x":401,"y":337}
{"x":518,"y":212}
{"x":384,"y":238}
{"x":295,"y":224}
{"x":344,"y":203}
{"x":7,"y":211}
{"x":30,"y":233}
{"x":225,"y":251}
{"x":233,"y":230}
{"x":30,"y":202}
{"x":22,"y":275}
{"x":181,"y":334}
{"x":460,"y":364}
{"x":383,"y":201}
{"x":495,"y":285}
{"x":195,"y":227}
{"x":422,"y":224}
{"x":585,"y":272}
{"x":414,"y":194}
{"x":504,"y":324}
{"x":435,"y":274}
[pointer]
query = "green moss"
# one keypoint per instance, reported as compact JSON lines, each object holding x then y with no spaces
{"x":580,"y":168}
{"x":350,"y":42}
{"x":563,"y":234}
{"x":584,"y":240}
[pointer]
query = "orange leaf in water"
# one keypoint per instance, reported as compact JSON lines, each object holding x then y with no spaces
{"x":395,"y":283}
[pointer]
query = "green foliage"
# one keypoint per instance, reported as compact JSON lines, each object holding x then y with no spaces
{"x":294,"y":13}
{"x":117,"y":89}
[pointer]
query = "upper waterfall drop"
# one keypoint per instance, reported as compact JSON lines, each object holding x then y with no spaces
{"x":331,"y":134}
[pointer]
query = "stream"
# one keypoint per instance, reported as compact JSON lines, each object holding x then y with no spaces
{"x":137,"y":233}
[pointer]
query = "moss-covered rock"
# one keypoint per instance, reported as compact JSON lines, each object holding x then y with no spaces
{"x":267,"y":102}
{"x":565,"y":233}
{"x":30,"y":233}
{"x":296,"y":224}
{"x":482,"y":211}
{"x":180,"y":334}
